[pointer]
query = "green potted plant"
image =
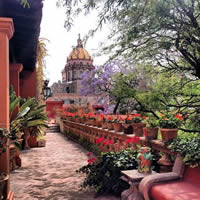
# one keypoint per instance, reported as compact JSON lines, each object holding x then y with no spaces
{"x":127,"y":124}
{"x":77,"y":117}
{"x":4,"y":139}
{"x":103,"y":121}
{"x":98,"y":120}
{"x":138,"y":125}
{"x":109,"y":120}
{"x":151,"y":129}
{"x":169,"y":124}
{"x":117,"y":123}
{"x":91,"y":118}
{"x":188,"y":145}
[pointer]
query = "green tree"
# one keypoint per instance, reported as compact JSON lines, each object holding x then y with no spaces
{"x":42,"y":52}
{"x":164,"y":32}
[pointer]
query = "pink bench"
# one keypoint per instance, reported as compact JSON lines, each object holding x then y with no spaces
{"x":187,"y":188}
{"x":183,"y":183}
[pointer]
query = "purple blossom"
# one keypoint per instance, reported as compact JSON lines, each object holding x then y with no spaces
{"x":99,"y":82}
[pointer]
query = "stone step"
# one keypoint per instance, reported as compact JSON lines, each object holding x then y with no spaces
{"x":53,"y":128}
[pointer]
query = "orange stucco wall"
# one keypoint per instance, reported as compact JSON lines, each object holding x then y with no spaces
{"x":15,"y":70}
{"x":28,"y":84}
{"x":6,"y":33}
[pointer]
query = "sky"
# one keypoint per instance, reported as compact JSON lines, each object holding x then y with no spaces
{"x":61,"y":42}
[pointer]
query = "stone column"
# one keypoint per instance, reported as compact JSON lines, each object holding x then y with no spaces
{"x":15,"y":69}
{"x":6,"y":32}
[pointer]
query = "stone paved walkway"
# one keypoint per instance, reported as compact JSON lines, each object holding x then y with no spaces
{"x":49,"y":172}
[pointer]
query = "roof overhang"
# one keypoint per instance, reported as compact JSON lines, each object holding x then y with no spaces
{"x":23,"y":45}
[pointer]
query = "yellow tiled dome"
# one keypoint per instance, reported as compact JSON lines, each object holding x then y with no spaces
{"x":79,"y":53}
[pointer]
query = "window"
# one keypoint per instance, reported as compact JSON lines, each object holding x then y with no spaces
{"x":74,"y":75}
{"x":71,"y":101}
{"x":67,"y":90}
{"x":80,"y":74}
{"x":68,"y":76}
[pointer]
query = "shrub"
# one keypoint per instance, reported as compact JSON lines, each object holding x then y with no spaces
{"x":104,"y":174}
{"x":189,"y":147}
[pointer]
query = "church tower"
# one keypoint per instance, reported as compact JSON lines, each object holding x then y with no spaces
{"x":78,"y":61}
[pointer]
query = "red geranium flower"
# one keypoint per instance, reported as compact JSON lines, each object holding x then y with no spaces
{"x":110,"y":142}
{"x":146,"y":134}
{"x":179,"y":117}
{"x":89,"y":154}
{"x":135,"y":139}
{"x":92,"y":160}
{"x":137,"y":115}
{"x":99,"y":140}
{"x":128,"y":141}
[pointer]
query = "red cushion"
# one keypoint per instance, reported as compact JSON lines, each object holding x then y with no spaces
{"x":192,"y":175}
{"x":178,"y":190}
{"x":185,"y":189}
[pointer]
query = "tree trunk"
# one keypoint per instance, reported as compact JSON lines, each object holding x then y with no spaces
{"x":116,"y":106}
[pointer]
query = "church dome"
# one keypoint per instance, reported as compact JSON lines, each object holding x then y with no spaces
{"x":79,"y":53}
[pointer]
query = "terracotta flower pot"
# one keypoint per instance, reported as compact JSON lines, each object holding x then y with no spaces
{"x":3,"y":179}
{"x":32,"y":141}
{"x":110,"y":126}
{"x":117,"y":127}
{"x":150,"y":133}
{"x":138,"y":129}
{"x":104,"y":125}
{"x":83,"y":120}
{"x":168,"y":134}
{"x":78,"y":120}
{"x":26,"y":138}
{"x":127,"y":128}
{"x":98,"y":123}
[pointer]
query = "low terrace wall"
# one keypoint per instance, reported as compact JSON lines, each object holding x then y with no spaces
{"x":119,"y":140}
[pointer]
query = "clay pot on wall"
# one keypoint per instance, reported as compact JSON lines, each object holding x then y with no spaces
{"x":104,"y":125}
{"x":117,"y":127}
{"x":138,"y":129}
{"x":150,"y":133}
{"x":98,"y":123}
{"x":127,"y":128}
{"x":110,"y":126}
{"x":168,"y":134}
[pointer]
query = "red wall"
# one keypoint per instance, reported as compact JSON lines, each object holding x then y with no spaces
{"x":28,"y":84}
{"x":51,"y":106}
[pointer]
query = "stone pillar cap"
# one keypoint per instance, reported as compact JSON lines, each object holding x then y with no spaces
{"x":7,"y":26}
{"x":16,"y":67}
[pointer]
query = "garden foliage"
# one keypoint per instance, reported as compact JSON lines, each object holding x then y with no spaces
{"x":104,"y":174}
{"x":189,"y":147}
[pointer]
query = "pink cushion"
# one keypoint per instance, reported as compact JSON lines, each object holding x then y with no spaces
{"x":185,"y":189}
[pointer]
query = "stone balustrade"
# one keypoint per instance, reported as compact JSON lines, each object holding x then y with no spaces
{"x":119,"y":140}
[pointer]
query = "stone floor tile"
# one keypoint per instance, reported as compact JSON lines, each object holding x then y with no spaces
{"x":49,"y":173}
